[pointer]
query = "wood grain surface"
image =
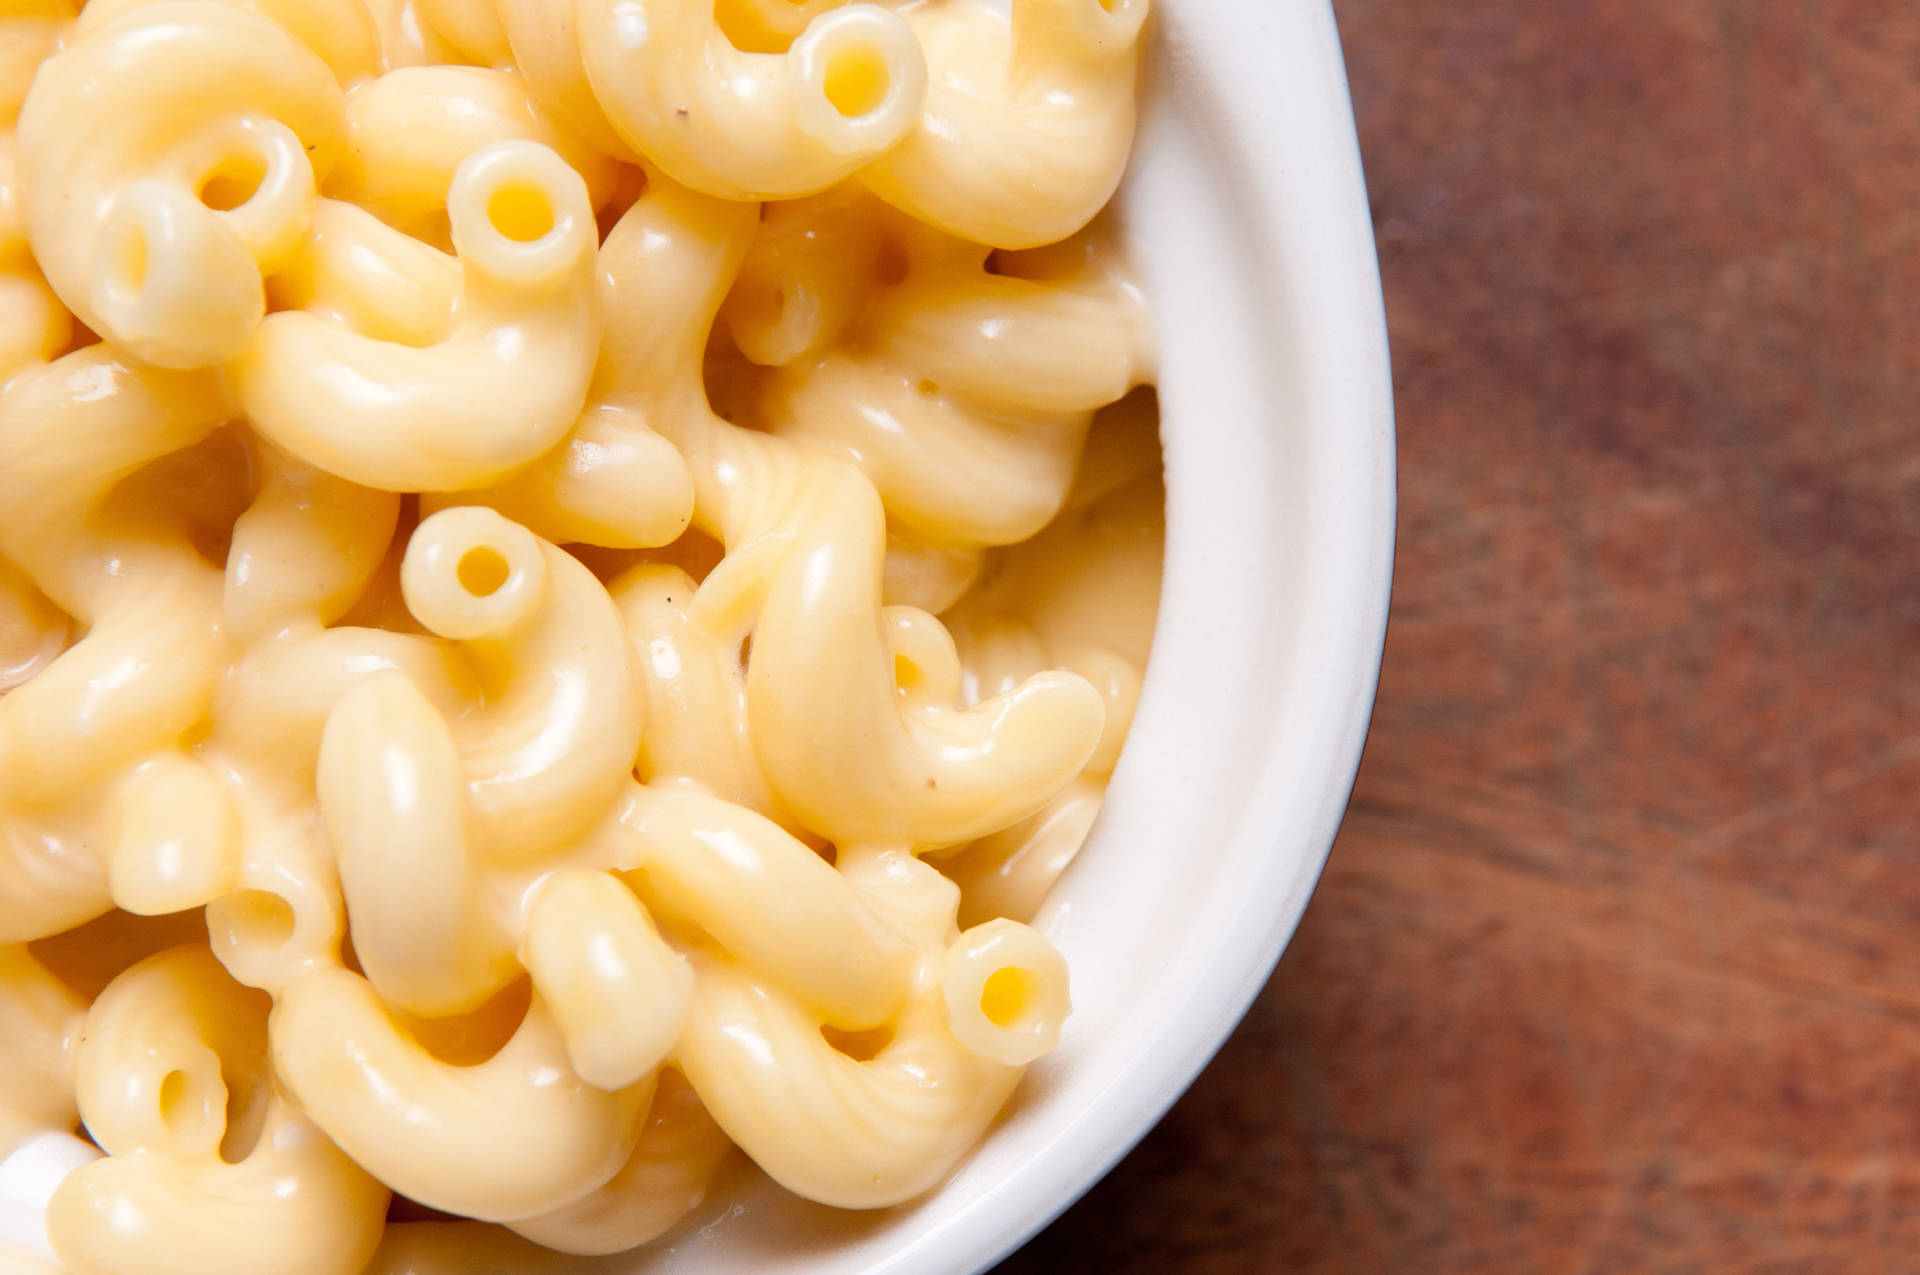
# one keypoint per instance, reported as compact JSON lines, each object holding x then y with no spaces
{"x":1616,"y":966}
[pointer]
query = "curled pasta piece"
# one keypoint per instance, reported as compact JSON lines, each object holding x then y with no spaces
{"x":1027,"y":124}
{"x":354,"y":270}
{"x":663,"y":1180}
{"x":617,"y":991}
{"x":555,"y":742}
{"x":303,"y":550}
{"x":744,"y":125}
{"x":147,"y":667}
{"x":499,"y":390}
{"x":763,"y":896}
{"x":806,"y":537}
{"x":1005,"y":990}
{"x":616,"y":482}
{"x":286,"y":914}
{"x":432,"y":1130}
{"x":409,"y":130}
{"x":809,"y":272}
{"x":285,"y":917}
{"x":167,"y":158}
{"x":342,"y":33}
{"x":929,"y":778}
{"x":40,"y":1023}
{"x":393,"y":796}
{"x":275,"y":703}
{"x":1071,"y":596}
{"x":965,"y":393}
{"x":208,"y":1170}
{"x":176,"y":838}
{"x":871,"y":1121}
{"x":145,"y":672}
{"x":1009,"y":873}
{"x":833,"y":1128}
{"x":696,"y":696}
{"x":70,"y":434}
{"x":546,"y":50}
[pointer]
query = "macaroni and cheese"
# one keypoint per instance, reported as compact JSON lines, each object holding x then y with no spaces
{"x":571,"y":574}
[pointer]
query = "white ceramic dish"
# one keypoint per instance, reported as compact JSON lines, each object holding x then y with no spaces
{"x":1250,"y":222}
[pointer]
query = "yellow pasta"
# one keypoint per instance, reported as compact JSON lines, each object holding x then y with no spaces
{"x":540,"y":36}
{"x":407,"y":38}
{"x":500,"y":388}
{"x":1027,"y":122}
{"x":964,"y":393}
{"x":470,"y":26}
{"x":524,"y":668}
{"x":207,"y":1167}
{"x":752,"y":125}
{"x":409,"y":130}
{"x":167,"y":160}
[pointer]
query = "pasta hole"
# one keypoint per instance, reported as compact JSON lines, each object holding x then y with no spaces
{"x":857,"y":80}
{"x":1113,"y":6}
{"x":861,"y":1046}
{"x":890,"y":265}
{"x":262,"y":919}
{"x":1007,"y":996}
{"x":236,"y":181}
{"x":928,"y":389}
{"x":520,"y":211}
{"x":482,"y":571}
{"x":175,"y":1089}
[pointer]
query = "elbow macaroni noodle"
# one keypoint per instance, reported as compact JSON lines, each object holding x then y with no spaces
{"x":523,"y":667}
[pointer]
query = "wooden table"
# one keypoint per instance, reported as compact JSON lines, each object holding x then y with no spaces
{"x":1616,"y":966}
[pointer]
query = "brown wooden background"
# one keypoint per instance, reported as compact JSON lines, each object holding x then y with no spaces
{"x":1616,"y":966}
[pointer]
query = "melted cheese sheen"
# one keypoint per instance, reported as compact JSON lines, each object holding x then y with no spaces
{"x":526,"y":669}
